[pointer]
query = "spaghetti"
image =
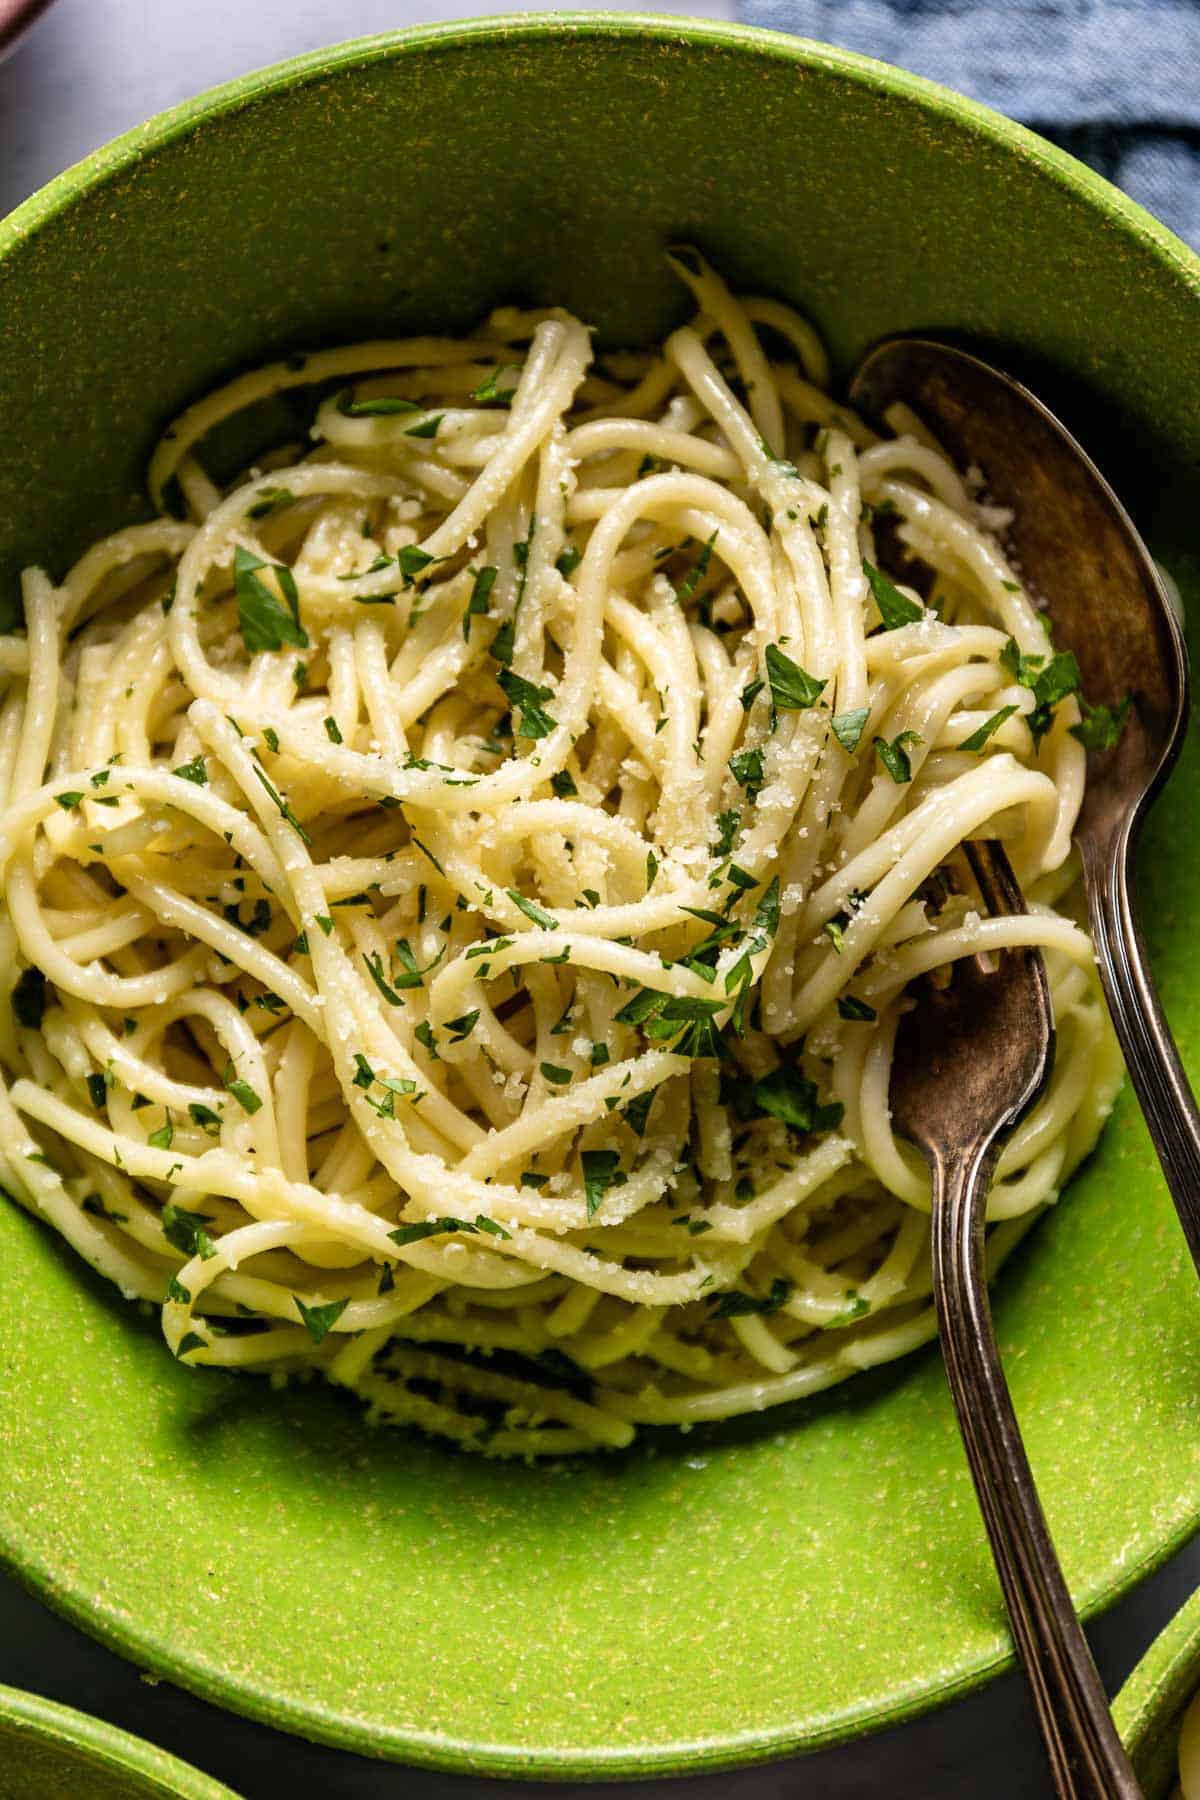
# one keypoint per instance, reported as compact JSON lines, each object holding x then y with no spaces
{"x":461,"y":877}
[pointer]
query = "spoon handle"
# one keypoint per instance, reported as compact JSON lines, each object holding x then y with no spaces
{"x":1150,"y":1053}
{"x":1086,"y":1756}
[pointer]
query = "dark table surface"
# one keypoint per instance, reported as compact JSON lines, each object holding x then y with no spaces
{"x":88,"y":70}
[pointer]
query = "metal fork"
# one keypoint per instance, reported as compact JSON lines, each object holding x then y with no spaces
{"x":970,"y":1060}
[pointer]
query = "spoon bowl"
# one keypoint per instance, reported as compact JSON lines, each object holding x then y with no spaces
{"x":1082,"y":558}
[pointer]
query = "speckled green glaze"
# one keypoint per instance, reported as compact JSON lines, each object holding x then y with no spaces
{"x":1149,"y":1709}
{"x":50,"y":1752}
{"x":800,"y":1577}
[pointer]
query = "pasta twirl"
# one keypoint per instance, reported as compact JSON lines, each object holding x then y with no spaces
{"x":461,"y":878}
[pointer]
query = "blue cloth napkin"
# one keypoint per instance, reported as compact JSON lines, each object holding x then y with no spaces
{"x":1115,"y":82}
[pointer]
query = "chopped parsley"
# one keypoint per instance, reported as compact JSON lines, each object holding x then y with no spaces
{"x":410,"y":975}
{"x":164,"y":1137}
{"x":638,"y":1111}
{"x":428,"y":428}
{"x":793,"y":689}
{"x":374,"y":964}
{"x":734,"y":1304}
{"x":895,"y":608}
{"x":425,"y":1228}
{"x":696,"y":573}
{"x":185,"y":1230}
{"x":426,"y":851}
{"x":747,"y":770}
{"x":1049,"y":680}
{"x":978,"y":738}
{"x":267,"y":623}
{"x":532,"y":910}
{"x":242,"y":1092}
{"x":285,"y":811}
{"x":269,"y":500}
{"x":848,"y":727}
{"x":526,"y":697}
{"x":489,"y":391}
{"x":727,"y":829}
{"x":691,"y":1022}
{"x":412,"y":560}
{"x":766,"y":918}
{"x":601,"y":1170}
{"x":481,"y":595}
{"x":501,"y":648}
{"x":195,"y":771}
{"x":851,"y":1008}
{"x":645,"y":1002}
{"x":462,"y":1028}
{"x":787,"y":1095}
{"x":894,"y":754}
{"x":320,"y":1320}
{"x":857,"y":1306}
{"x":1100,"y":727}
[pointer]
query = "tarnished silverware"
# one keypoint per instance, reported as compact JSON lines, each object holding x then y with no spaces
{"x":971,"y":1058}
{"x":1080,"y":554}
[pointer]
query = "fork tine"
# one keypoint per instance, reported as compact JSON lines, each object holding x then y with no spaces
{"x":993,"y":873}
{"x":989,"y":1022}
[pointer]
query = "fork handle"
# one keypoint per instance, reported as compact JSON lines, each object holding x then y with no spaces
{"x":1145,"y":1038}
{"x":1086,"y":1757}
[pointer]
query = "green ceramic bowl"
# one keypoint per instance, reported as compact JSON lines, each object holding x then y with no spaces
{"x":1149,"y":1709}
{"x":50,"y":1752}
{"x":705,"y":1600}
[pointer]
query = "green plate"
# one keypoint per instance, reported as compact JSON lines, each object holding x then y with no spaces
{"x":804,"y":1576}
{"x":1149,"y":1709}
{"x":50,"y":1752}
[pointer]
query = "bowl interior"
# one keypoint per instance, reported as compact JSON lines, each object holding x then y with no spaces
{"x":48,"y":1751}
{"x":706,"y":1599}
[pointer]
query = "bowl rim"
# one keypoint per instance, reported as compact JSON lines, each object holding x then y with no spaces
{"x":1147,"y":1709}
{"x":108,"y":163}
{"x":49,"y":1722}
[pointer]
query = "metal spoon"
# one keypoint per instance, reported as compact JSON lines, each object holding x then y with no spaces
{"x":969,"y":1062}
{"x":1079,"y":551}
